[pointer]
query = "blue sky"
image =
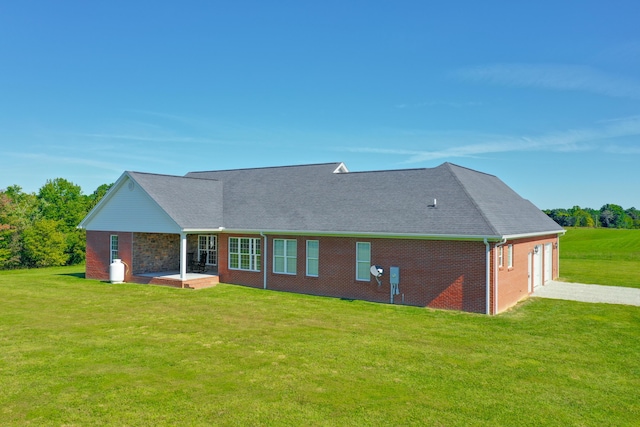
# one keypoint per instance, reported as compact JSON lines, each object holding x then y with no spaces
{"x":545,"y":95}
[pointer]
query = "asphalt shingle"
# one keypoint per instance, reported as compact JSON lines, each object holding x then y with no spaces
{"x":312,"y":198}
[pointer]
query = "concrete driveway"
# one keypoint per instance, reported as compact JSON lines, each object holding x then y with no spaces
{"x":588,"y":293}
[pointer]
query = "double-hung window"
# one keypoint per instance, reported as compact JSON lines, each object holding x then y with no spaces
{"x":285,"y":256}
{"x":363,"y":260}
{"x":500,"y":257}
{"x":114,"y":247}
{"x":510,"y":256}
{"x":244,"y":253}
{"x":313,"y":256}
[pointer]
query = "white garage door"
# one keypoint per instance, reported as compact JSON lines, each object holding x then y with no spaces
{"x":548,"y":262}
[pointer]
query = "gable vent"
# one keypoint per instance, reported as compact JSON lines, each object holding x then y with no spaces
{"x":341,"y":169}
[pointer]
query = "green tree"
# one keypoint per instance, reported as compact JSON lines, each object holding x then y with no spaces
{"x":18,"y":210}
{"x":612,"y":216}
{"x":581,"y":217}
{"x":97,"y":195}
{"x":61,"y":200}
{"x":634,"y":215}
{"x":44,"y":244}
{"x":561,"y":216}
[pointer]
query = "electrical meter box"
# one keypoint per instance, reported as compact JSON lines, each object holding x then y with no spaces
{"x":394,"y":275}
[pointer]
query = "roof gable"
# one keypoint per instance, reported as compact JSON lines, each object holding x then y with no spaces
{"x":158,"y":203}
{"x":127,"y":207}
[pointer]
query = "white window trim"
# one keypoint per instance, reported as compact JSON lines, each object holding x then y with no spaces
{"x":359,"y":261}
{"x":112,"y":250}
{"x":510,"y":256}
{"x":255,"y":256}
{"x":313,"y":258}
{"x":500,"y":257}
{"x":286,"y":257}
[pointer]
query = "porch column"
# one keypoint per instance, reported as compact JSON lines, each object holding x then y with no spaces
{"x":183,"y":256}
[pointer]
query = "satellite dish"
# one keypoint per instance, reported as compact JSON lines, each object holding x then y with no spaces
{"x":376,"y":271}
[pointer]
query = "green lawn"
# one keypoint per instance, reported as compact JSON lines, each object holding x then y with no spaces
{"x":601,"y":256}
{"x":77,"y":352}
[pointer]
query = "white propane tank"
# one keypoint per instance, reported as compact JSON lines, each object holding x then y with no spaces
{"x":116,"y":271}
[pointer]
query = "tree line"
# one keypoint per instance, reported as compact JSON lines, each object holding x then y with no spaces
{"x":40,"y":229}
{"x":608,"y":216}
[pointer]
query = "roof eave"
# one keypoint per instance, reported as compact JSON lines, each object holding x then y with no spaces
{"x":533,"y":234}
{"x":371,"y":234}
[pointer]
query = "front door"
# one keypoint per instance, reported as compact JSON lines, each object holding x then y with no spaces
{"x":208,"y":244}
{"x":537,"y":266}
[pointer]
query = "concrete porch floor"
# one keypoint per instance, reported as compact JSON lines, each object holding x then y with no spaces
{"x":172,"y":278}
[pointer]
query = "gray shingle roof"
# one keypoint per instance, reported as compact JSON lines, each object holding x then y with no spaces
{"x":312,"y":198}
{"x":190,"y":202}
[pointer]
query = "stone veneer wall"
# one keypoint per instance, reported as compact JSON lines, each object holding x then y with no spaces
{"x":154,"y":252}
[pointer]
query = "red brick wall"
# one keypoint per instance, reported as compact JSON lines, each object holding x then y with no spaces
{"x":99,"y":252}
{"x":438,"y":274}
{"x":513,"y":283}
{"x":239,"y":277}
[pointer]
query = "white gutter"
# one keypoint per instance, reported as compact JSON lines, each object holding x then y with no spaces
{"x":488,"y":273}
{"x":264,"y":260}
{"x":536,"y":234}
{"x":476,"y":237}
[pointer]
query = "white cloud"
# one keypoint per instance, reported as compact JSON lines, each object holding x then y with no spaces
{"x":132,"y":137}
{"x":552,"y":76}
{"x":586,"y":139}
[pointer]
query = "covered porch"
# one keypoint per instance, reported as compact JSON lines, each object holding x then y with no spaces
{"x":185,"y":260}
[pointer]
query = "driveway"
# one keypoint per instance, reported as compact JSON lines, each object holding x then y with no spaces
{"x":588,"y":293}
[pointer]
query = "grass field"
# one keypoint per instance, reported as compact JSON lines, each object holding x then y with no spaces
{"x":77,"y":352}
{"x":601,"y":256}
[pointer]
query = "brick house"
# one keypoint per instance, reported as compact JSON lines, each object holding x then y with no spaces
{"x":445,"y":237}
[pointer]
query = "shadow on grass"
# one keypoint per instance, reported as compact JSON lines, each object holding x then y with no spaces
{"x":77,"y":275}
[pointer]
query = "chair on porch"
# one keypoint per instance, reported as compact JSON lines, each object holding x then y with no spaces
{"x":198,"y":266}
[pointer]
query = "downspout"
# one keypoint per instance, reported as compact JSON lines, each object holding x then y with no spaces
{"x":495,"y":296}
{"x":488,"y":270}
{"x":265,"y":259}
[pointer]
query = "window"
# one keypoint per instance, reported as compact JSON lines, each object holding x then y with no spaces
{"x":285,"y":256}
{"x":313,"y":255}
{"x":500,"y":257}
{"x":363,"y":260}
{"x":208,"y":244}
{"x":510,"y":256}
{"x":114,"y":247}
{"x":244,"y":253}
